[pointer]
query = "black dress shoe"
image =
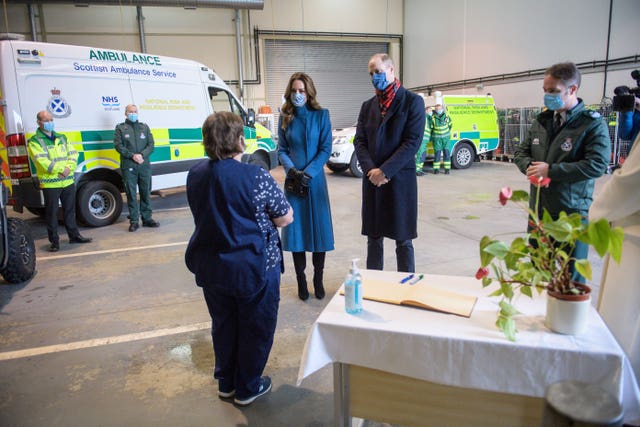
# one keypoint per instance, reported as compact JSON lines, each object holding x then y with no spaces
{"x":151,"y":223}
{"x":55,"y":247}
{"x":133,"y":227}
{"x":80,"y":239}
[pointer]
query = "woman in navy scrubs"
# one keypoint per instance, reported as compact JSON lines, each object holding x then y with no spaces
{"x":236,"y":256}
{"x":304,"y":146}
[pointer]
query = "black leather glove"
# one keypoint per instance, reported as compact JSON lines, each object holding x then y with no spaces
{"x":304,"y":178}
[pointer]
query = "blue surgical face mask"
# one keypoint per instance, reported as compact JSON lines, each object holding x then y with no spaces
{"x":132,"y":117}
{"x":48,"y":126}
{"x":298,"y":99}
{"x":430,"y":113}
{"x":553,"y":101}
{"x":439,"y":111}
{"x":379,"y":81}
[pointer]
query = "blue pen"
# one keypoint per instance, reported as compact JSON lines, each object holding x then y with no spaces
{"x":406,"y":279}
{"x":416,"y":280}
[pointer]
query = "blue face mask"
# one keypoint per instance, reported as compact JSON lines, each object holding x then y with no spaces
{"x":553,"y":101}
{"x":132,"y":117}
{"x":298,"y":99}
{"x":48,"y":126}
{"x":379,"y":81}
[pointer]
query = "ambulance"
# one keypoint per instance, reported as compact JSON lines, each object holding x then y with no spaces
{"x":474,"y":131}
{"x":86,"y":90}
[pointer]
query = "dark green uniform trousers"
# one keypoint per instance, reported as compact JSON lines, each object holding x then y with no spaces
{"x":138,"y":177}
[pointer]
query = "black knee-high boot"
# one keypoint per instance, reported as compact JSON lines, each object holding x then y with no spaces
{"x":300,"y":263}
{"x":318,"y":270}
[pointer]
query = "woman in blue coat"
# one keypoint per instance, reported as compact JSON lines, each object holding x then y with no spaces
{"x":304,"y":138}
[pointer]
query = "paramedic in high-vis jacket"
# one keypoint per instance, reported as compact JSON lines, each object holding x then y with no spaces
{"x":568,"y":144}
{"x":55,"y":160}
{"x":134,"y":141}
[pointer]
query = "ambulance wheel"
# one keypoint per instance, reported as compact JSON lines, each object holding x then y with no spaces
{"x":99,"y":203}
{"x":337,"y":167}
{"x":260,"y":160}
{"x":21,"y":257}
{"x":354,"y":166}
{"x":462,"y":156}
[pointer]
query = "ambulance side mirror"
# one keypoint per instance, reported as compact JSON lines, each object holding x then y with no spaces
{"x":251,"y":117}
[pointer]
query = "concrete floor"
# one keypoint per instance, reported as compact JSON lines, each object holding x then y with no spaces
{"x":115,"y":333}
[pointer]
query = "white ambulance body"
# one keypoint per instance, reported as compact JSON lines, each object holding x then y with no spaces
{"x":86,"y":90}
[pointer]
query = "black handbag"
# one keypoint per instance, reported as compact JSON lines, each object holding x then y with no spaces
{"x":297,"y":182}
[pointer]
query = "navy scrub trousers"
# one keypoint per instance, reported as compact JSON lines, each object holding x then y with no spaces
{"x":241,"y":342}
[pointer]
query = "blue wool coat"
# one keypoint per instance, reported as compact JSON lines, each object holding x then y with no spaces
{"x":306,"y":146}
{"x":390,"y":143}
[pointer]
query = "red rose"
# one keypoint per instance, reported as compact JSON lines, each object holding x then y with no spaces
{"x":482,"y":272}
{"x":505,"y":194}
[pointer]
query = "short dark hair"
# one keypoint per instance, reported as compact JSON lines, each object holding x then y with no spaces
{"x":566,"y":72}
{"x":220,"y":133}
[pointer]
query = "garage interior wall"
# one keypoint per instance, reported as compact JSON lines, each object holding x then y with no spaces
{"x":463,"y":39}
{"x":341,"y":88}
{"x":206,"y":35}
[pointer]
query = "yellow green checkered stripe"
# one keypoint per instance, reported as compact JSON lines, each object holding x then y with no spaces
{"x":170,"y":144}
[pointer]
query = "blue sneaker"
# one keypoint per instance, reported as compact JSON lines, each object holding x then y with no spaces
{"x":265,"y":386}
{"x":226,"y":394}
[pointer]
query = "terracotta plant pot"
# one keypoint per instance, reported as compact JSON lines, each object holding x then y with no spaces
{"x":568,"y":314}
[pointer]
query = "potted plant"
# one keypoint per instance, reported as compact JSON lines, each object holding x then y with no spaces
{"x":540,"y":260}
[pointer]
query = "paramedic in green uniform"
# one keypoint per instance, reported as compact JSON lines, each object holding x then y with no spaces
{"x":568,"y":144}
{"x":134,"y":141}
{"x":425,"y":140}
{"x":440,"y":135}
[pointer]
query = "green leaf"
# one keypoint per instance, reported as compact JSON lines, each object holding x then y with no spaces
{"x":583,"y":266}
{"x":526,"y":290}
{"x":485,"y":257}
{"x":509,"y":329}
{"x":599,"y":235}
{"x":520,"y":196}
{"x":507,"y":309}
{"x":486,"y":281}
{"x":560,"y":230}
{"x":615,"y":243}
{"x":507,"y":290}
{"x":496,"y":293}
{"x":497,"y":249}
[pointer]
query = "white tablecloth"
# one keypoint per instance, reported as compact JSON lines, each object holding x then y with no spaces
{"x":469,"y":352}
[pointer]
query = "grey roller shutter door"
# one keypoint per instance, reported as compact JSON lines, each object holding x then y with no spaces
{"x":338,"y":69}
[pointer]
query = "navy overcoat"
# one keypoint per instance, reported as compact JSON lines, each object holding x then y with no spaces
{"x":390,"y":143}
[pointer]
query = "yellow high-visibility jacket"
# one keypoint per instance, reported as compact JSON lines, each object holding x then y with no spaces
{"x":51,"y":157}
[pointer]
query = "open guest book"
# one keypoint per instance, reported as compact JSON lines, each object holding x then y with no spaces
{"x":419,"y":295}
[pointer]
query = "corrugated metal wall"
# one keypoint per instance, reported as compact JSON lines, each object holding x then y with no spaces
{"x":338,"y":69}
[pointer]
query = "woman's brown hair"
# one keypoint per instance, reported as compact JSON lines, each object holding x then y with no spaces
{"x":220,"y":134}
{"x":288,"y":108}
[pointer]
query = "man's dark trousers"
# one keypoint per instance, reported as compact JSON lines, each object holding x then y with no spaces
{"x":138,"y":178}
{"x":67,"y":197}
{"x":405,"y":256}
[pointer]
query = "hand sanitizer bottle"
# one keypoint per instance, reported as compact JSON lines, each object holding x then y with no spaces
{"x":353,"y":290}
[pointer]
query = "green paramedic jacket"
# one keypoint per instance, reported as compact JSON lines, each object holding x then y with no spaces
{"x":132,"y":138}
{"x":51,"y":157}
{"x":577,"y":155}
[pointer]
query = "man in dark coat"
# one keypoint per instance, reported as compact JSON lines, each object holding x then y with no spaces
{"x":389,"y":133}
{"x":568,"y":144}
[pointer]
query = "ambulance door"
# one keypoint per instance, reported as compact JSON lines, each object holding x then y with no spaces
{"x":256,"y":150}
{"x":174,"y":111}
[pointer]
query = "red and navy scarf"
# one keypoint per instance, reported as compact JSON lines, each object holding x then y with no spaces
{"x":385,"y":97}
